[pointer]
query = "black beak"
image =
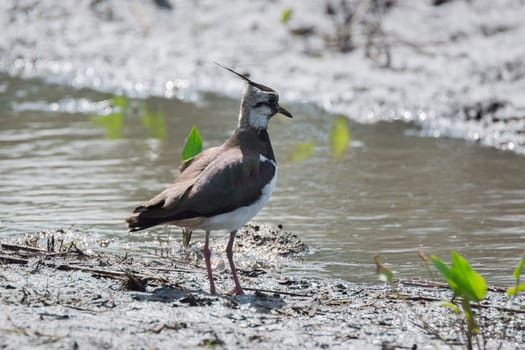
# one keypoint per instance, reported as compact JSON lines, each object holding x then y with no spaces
{"x":281,"y":110}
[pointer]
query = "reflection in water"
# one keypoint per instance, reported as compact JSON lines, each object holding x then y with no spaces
{"x":301,"y":151}
{"x":113,"y":122}
{"x":154,"y":122}
{"x":339,"y":137}
{"x":390,"y":193}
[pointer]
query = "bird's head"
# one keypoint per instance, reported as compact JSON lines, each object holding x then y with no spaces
{"x":259,"y":103}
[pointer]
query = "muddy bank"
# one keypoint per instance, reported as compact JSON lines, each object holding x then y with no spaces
{"x":456,"y":69}
{"x":71,"y":299}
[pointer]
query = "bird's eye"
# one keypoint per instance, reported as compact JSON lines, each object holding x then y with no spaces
{"x":272,"y":99}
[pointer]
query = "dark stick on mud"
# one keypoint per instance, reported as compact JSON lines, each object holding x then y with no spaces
{"x":16,"y":247}
{"x":12,"y":260}
{"x":278,"y":292}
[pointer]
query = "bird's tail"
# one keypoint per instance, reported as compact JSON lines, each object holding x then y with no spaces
{"x":142,"y":219}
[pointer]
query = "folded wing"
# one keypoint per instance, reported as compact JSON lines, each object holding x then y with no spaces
{"x":208,"y":186}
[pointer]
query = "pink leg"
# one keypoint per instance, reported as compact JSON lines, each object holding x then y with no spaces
{"x":207,"y":254}
{"x":229,"y":254}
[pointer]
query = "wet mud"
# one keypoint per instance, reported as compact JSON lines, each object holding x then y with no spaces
{"x":59,"y":296}
{"x":455,"y":70}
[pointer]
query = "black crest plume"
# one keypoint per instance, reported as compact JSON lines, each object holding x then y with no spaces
{"x":245,"y":78}
{"x":242,"y":76}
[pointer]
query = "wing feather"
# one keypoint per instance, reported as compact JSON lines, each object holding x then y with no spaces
{"x":207,"y":188}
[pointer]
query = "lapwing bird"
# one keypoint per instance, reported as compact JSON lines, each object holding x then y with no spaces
{"x":222,"y":187}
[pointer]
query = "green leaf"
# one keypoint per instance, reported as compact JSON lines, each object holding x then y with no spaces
{"x":519,"y":268}
{"x":302,"y":151}
{"x":469,"y":281}
{"x":517,"y":272}
{"x":285,"y":14}
{"x":516,"y":289}
{"x":113,"y":123}
{"x":449,"y":304}
{"x":463,"y":280}
{"x":193,"y":145}
{"x":339,"y":136}
{"x":446,"y":273}
{"x":383,"y":273}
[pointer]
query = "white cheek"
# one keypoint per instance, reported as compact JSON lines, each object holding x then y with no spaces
{"x":259,"y":117}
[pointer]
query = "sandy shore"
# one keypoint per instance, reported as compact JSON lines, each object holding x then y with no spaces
{"x":68,"y":299}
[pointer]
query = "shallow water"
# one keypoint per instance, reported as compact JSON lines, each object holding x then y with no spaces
{"x":394,"y":192}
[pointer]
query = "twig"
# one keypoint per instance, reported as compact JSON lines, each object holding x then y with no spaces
{"x":167,"y":269}
{"x":278,"y":292}
{"x":73,"y":247}
{"x":422,"y":283}
{"x":79,"y":308}
{"x":313,"y":308}
{"x":337,"y":302}
{"x":142,"y":19}
{"x":104,"y":273}
{"x":70,"y":267}
{"x":12,"y":260}
{"x":15,"y":247}
{"x":441,"y":285}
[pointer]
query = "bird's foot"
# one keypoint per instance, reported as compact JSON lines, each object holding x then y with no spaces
{"x":235,"y":291}
{"x":213,"y":291}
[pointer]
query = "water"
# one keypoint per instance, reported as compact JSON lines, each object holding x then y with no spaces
{"x":393,"y":193}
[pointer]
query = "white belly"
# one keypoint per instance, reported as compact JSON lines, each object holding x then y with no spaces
{"x":239,"y":217}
